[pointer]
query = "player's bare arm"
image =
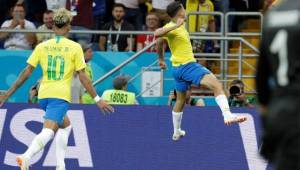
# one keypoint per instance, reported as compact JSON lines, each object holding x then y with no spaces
{"x":87,"y":84}
{"x":18,"y":83}
{"x":161,"y":53}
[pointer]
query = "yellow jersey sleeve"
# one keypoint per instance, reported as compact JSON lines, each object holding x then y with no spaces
{"x":33,"y":60}
{"x":79,"y":59}
{"x":170,"y":24}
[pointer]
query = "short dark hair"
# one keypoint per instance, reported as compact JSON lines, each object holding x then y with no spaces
{"x":120,"y":81}
{"x":118,"y":5}
{"x":240,"y":82}
{"x":48,"y":11}
{"x":19,"y":5}
{"x":173,"y":8}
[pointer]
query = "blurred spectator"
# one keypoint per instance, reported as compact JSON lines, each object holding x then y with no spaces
{"x":82,"y":11}
{"x":33,"y":93}
{"x":237,"y":96}
{"x":119,"y":95}
{"x":77,"y":89}
{"x":201,"y":23}
{"x":238,"y":5}
{"x":152,"y":23}
{"x":159,"y":7}
{"x":18,"y":41}
{"x":56,"y":4}
{"x":117,"y":42}
{"x":133,"y":14}
{"x":78,"y":92}
{"x":34,"y":10}
{"x":86,"y":98}
{"x":188,"y":100}
{"x":5,"y":7}
{"x":47,"y":26}
{"x":221,"y":5}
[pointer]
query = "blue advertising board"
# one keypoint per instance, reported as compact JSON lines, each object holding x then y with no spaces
{"x":136,"y":138}
{"x":12,"y":63}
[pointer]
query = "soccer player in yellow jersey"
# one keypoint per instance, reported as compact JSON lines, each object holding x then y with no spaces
{"x":186,"y":70}
{"x":59,"y":58}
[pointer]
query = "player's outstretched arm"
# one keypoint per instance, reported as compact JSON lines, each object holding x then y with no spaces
{"x":164,"y":30}
{"x":18,"y":83}
{"x":87,"y":84}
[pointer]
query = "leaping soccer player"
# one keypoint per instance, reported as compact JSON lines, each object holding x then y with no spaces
{"x":59,"y":59}
{"x":186,"y":70}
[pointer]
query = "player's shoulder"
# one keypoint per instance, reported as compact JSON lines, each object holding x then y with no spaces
{"x":74,"y":45}
{"x":6,"y":23}
{"x":107,"y":92}
{"x":41,"y":45}
{"x":169,"y":24}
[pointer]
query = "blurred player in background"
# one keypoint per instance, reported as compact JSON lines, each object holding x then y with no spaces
{"x":59,"y":59}
{"x":186,"y":70}
{"x":278,"y":86}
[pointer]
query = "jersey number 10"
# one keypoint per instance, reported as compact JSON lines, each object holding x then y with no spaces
{"x":54,"y":71}
{"x":279,"y":46}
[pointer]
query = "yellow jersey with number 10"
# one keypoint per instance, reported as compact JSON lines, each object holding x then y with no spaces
{"x":59,"y":58}
{"x":180,"y":45}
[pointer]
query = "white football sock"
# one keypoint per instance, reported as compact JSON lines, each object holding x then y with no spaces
{"x":61,"y":142}
{"x":224,"y":106}
{"x":177,"y":117}
{"x":39,"y":142}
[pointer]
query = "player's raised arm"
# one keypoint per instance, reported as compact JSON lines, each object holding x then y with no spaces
{"x":18,"y":83}
{"x":87,"y":84}
{"x":164,"y":30}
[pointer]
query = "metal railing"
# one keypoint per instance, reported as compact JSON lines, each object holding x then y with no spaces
{"x":225,"y":59}
{"x":219,"y":14}
{"x":219,"y":34}
{"x":224,"y":36}
{"x":136,"y":55}
{"x":227,"y":19}
{"x":228,"y":33}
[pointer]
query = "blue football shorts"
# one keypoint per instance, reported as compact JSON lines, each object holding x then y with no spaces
{"x":188,"y":74}
{"x":55,"y":109}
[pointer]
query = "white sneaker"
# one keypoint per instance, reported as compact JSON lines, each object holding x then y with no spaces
{"x":231,"y":118}
{"x":22,"y":162}
{"x":178,"y":134}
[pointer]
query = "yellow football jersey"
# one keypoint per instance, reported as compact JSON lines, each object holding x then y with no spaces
{"x":180,"y":45}
{"x":59,"y":58}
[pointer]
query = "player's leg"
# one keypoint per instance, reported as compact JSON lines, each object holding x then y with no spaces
{"x":181,"y":87}
{"x":55,"y":111}
{"x":61,"y":141}
{"x":211,"y":82}
{"x":177,"y":115}
{"x":37,"y":144}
